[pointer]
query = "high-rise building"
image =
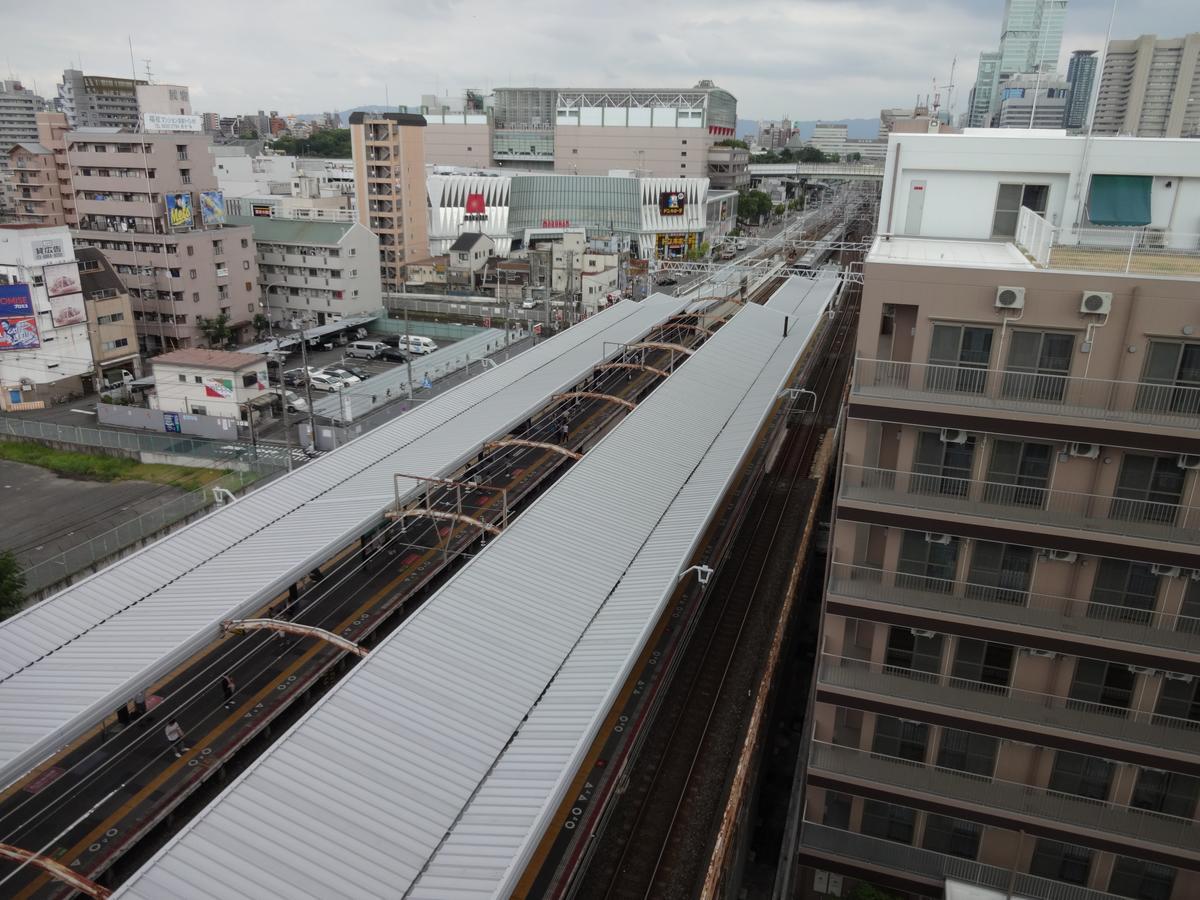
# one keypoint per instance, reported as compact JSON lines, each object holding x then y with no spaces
{"x":1008,"y":682}
{"x":1030,"y":41}
{"x":1033,"y":101}
{"x":98,"y":101}
{"x":19,"y":107}
{"x":1150,"y":87}
{"x":1081,"y":76}
{"x":389,"y":177}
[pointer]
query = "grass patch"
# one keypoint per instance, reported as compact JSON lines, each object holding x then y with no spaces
{"x":72,"y":464}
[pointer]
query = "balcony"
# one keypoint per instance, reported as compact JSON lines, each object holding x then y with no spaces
{"x":836,"y":842}
{"x":1127,"y":402}
{"x":1125,"y":251}
{"x":1033,"y":506}
{"x":1021,"y":609}
{"x":976,"y":698}
{"x":1014,"y":797}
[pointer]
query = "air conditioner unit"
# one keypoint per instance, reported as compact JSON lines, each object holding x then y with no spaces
{"x":1169,"y":571}
{"x":1178,"y":676}
{"x":1085,"y":451}
{"x":1188,"y":461}
{"x":921,"y":633}
{"x":1067,"y":556}
{"x":1045,"y":654}
{"x":953,"y":436}
{"x":1140,"y":670}
{"x":1096,"y":303}
{"x":1010,"y":297}
{"x":932,"y":537}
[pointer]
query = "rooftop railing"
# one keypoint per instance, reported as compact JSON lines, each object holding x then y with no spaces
{"x":1018,"y":607}
{"x":1025,"y":503}
{"x":1133,"y":402}
{"x":1126,"y":251}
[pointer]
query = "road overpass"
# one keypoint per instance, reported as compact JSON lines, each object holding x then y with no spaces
{"x":811,"y":171}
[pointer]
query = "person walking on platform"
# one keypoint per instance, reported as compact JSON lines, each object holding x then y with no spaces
{"x":176,"y":738}
{"x":228,"y":687}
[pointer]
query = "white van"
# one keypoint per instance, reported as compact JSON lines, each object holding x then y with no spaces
{"x":417,"y":344}
{"x":366,"y":349}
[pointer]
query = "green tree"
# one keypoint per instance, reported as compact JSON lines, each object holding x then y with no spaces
{"x":780,"y":209}
{"x":753,"y":205}
{"x":854,"y":157}
{"x":812,"y":155}
{"x":12,"y":585}
{"x":698,"y":253}
{"x":261,"y":326}
{"x":216,"y":330}
{"x":331,"y":143}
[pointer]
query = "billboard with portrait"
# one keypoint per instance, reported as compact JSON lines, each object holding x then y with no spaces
{"x":62,"y":279}
{"x":179,"y":210}
{"x":671,"y":203}
{"x":67,"y":310}
{"x":18,"y":323}
{"x":212,"y":208}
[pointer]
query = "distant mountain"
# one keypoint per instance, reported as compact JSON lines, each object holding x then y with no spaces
{"x":855,"y":128}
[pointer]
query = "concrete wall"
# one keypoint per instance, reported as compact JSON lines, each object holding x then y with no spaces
{"x":215,"y":427}
{"x":658,"y":152}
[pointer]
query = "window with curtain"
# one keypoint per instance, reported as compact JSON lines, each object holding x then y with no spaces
{"x":941,"y":467}
{"x":1119,"y":200}
{"x":926,"y":566}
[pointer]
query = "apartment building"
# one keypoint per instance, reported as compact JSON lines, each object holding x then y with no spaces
{"x":18,"y":108}
{"x":389,"y":177}
{"x":1008,"y":682}
{"x":1150,"y":87}
{"x":315,"y":272}
{"x":111,"y":327}
{"x":32,"y":184}
{"x":1081,"y":76}
{"x":98,"y":101}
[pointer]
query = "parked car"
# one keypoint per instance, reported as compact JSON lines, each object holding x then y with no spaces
{"x":530,"y":304}
{"x":295,"y":377}
{"x":341,"y":374}
{"x":741,"y":244}
{"x":323,"y":381}
{"x":295,"y":403}
{"x":419,"y":345}
{"x":357,"y":371}
{"x":366,"y":349}
{"x":391,"y":354}
{"x":666,"y":280}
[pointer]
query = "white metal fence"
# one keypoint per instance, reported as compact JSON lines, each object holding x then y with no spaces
{"x":1132,"y":250}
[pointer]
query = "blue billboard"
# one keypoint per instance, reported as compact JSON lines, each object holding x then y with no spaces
{"x":179,"y":211}
{"x":212,"y":208}
{"x":18,"y":322}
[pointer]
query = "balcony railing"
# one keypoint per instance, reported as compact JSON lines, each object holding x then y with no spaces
{"x":938,"y":866}
{"x":1128,"y":251}
{"x":1030,"y":505}
{"x":1020,"y":608}
{"x":1133,"y":402}
{"x":1010,"y":796}
{"x":979,"y":698}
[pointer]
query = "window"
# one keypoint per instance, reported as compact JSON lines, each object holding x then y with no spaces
{"x":1123,"y":591}
{"x":1061,"y":862}
{"x":198,"y":379}
{"x":196,"y":297}
{"x":1105,"y":683}
{"x":952,"y":836}
{"x":942,"y":467}
{"x":1180,"y":699}
{"x":182,"y":377}
{"x":905,"y":650}
{"x":968,"y":752}
{"x":683,"y":153}
{"x":999,"y":573}
{"x":246,"y":264}
{"x":1018,"y":473}
{"x":250,"y":379}
{"x":198,"y":410}
{"x":192,"y":274}
{"x":218,"y":247}
{"x":115,"y":345}
{"x":249,"y":285}
{"x":925,"y":565}
{"x":1148,"y":489}
{"x":575,"y":150}
{"x":837,"y":810}
{"x":245,"y":243}
{"x":1141,"y":880}
{"x":983,"y":661}
{"x":888,"y":821}
{"x":1189,"y":613}
{"x":191,"y":251}
{"x":185,"y":176}
{"x":1009,"y":200}
{"x":900,"y":738}
{"x":683,"y":165}
{"x":957,"y":357}
{"x":1171,"y":379}
{"x":1083,"y":776}
{"x":1166,"y":792}
{"x":1038,"y":362}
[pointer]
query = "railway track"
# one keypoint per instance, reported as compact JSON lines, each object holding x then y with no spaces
{"x":124,"y":783}
{"x":657,"y":841}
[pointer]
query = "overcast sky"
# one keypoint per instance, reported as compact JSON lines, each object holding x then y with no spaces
{"x":802,"y":58}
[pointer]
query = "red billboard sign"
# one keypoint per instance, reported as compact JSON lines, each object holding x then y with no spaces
{"x":556,"y":223}
{"x":475,"y":205}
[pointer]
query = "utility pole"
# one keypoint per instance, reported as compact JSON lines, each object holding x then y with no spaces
{"x":283,"y":392}
{"x":312,"y":413}
{"x":408,"y":352}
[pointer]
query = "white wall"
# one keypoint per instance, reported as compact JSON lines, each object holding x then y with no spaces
{"x":173,"y":395}
{"x":963,"y":204}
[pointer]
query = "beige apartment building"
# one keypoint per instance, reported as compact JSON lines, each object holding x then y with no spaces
{"x":33,"y":184}
{"x":1150,"y":87}
{"x":1008,"y":683}
{"x":389,"y":179}
{"x":150,"y":203}
{"x":111,"y":326}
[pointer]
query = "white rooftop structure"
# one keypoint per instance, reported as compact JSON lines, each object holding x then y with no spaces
{"x":941,"y":252}
{"x":432,"y":769}
{"x":73,"y":657}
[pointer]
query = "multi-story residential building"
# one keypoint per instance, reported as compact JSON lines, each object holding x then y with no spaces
{"x":19,"y":107}
{"x":98,"y":101}
{"x":728,"y":167}
{"x":1150,"y":87}
{"x":389,"y":177}
{"x":111,"y":328}
{"x":1033,"y":101}
{"x":150,"y":203}
{"x":33,"y":184}
{"x":1030,"y":41}
{"x":313,"y":272}
{"x":45,"y":354}
{"x":774,"y":135}
{"x":1008,"y":684}
{"x":1081,"y":76}
{"x":211,"y":122}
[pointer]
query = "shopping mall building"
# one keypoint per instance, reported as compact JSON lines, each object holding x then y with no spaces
{"x":650,"y":217}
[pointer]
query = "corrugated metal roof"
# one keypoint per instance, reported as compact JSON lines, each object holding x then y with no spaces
{"x":71,"y":658}
{"x":800,"y":291}
{"x":428,"y":771}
